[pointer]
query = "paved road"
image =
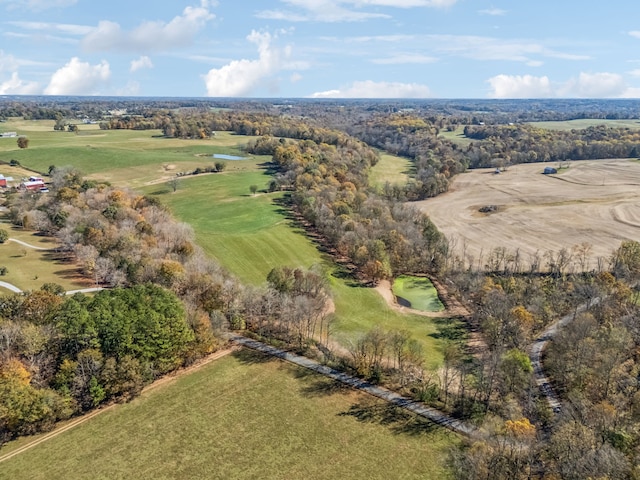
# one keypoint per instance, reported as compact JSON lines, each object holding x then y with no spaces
{"x":432,"y":414}
{"x":537,"y":347}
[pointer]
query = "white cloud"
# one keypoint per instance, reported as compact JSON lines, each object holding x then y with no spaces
{"x":635,"y":33}
{"x":78,"y":78}
{"x":140,"y":63}
{"x":15,"y":86}
{"x":295,"y":77}
{"x":371,"y":89}
{"x":520,"y":86}
{"x":241,"y":77}
{"x":494,"y":12}
{"x":150,"y":36}
{"x":67,"y":28}
{"x":405,"y":58}
{"x":635,"y":73}
{"x":586,"y":85}
{"x":38,"y":5}
{"x":595,"y":85}
{"x":343,"y":10}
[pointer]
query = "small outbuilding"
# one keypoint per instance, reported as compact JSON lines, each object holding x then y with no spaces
{"x":549,"y":170}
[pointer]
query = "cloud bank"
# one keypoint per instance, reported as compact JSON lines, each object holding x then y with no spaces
{"x":371,"y":89}
{"x":79,"y":78}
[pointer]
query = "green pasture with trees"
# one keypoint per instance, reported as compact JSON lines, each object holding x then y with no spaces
{"x":244,"y":416}
{"x":250,"y":235}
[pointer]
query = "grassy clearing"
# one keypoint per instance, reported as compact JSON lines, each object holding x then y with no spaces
{"x":588,"y":122}
{"x":392,"y":169}
{"x":29,"y":268}
{"x":250,"y":235}
{"x":418,"y":292}
{"x":126,"y":157}
{"x":244,"y":416}
{"x":456,"y":136}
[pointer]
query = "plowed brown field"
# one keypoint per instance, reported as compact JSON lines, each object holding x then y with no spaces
{"x":597,"y":202}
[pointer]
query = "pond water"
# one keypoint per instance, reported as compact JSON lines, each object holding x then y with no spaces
{"x":417,"y":293}
{"x":224,"y":156}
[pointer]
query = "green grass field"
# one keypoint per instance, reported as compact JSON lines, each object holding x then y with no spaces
{"x":240,"y":417}
{"x":125,"y":157}
{"x":586,"y":123}
{"x":28,"y":269}
{"x":392,"y":169}
{"x":418,"y":292}
{"x":250,"y":235}
{"x":456,"y":136}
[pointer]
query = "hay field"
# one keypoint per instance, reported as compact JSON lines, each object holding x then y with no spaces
{"x":594,"y":201}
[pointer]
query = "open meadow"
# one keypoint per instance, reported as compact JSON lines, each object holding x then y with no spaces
{"x":392,"y":169}
{"x":124,"y":157}
{"x":243,"y":416}
{"x":251,"y":234}
{"x":595,"y":202}
{"x":588,"y":122}
{"x":29,"y":268}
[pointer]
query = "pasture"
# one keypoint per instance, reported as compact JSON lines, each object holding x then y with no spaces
{"x":250,"y":235}
{"x":456,"y":136}
{"x":124,"y":157}
{"x":392,"y":169}
{"x":243,"y":416}
{"x":596,"y":202}
{"x":588,"y":122}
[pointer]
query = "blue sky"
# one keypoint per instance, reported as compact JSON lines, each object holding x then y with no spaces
{"x":321,"y":48}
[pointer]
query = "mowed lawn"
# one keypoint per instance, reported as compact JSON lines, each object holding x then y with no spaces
{"x":250,"y":235}
{"x":124,"y":157}
{"x":244,"y":416}
{"x":28,"y":268}
{"x":392,"y":169}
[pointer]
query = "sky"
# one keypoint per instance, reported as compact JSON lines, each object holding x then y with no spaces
{"x":321,"y":48}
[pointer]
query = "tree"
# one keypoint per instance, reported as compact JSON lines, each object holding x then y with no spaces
{"x":220,"y":166}
{"x":4,"y":235}
{"x":174,"y":183}
{"x":23,"y":142}
{"x":253,"y":189}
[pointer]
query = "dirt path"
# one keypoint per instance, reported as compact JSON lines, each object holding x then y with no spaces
{"x":28,"y":245}
{"x":436,"y":416}
{"x":80,"y":420}
{"x":10,"y":287}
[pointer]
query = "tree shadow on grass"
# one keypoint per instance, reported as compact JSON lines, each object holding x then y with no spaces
{"x":246,"y":356}
{"x":316,"y":386}
{"x":398,"y":420}
{"x":449,"y":329}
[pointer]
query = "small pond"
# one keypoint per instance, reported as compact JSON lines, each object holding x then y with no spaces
{"x":224,"y":156}
{"x":417,"y":293}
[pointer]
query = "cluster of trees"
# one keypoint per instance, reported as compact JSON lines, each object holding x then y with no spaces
{"x":293,"y":309}
{"x":379,"y":236}
{"x":593,"y":362}
{"x":63,"y":355}
{"x":526,"y":143}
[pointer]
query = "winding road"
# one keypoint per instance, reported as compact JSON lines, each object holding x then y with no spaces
{"x":537,"y":349}
{"x":436,"y":416}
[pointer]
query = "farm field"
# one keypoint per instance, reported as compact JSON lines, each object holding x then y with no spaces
{"x":126,"y":157}
{"x":588,"y":122}
{"x":392,"y":169}
{"x":595,"y":201}
{"x":243,"y":416}
{"x":250,"y":235}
